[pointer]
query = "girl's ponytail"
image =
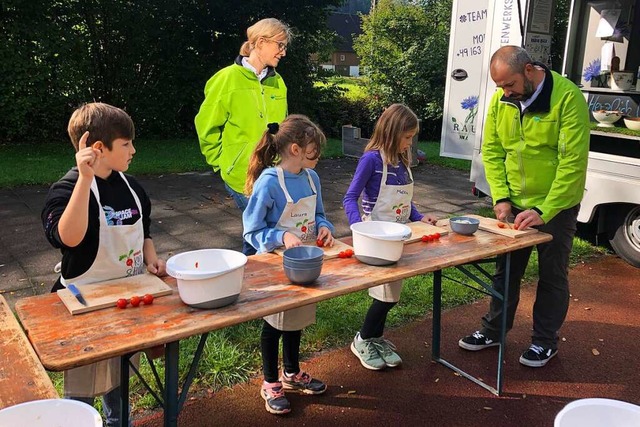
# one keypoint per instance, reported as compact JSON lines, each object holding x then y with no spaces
{"x":262,"y":157}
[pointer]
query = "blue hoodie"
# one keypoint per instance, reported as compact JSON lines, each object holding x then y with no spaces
{"x":268,"y":201}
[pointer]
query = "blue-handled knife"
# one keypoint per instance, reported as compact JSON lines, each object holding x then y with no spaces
{"x":76,"y":293}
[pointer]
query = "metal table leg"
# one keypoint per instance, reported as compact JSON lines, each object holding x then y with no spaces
{"x":171,"y":360}
{"x":437,"y":322}
{"x":124,"y":390}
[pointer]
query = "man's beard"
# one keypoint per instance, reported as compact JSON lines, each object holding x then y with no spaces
{"x":528,"y":91}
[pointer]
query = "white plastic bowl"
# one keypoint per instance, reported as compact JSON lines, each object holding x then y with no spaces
{"x":51,"y":412}
{"x":606,"y":118}
{"x":598,"y":413}
{"x":208,"y":278}
{"x":379,"y":242}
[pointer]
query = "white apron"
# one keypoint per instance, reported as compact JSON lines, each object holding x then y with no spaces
{"x":300,"y":219}
{"x":393,"y":205}
{"x":119,"y":255}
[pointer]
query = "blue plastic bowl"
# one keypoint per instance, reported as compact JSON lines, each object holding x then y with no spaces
{"x":302,"y":276}
{"x":303,"y":253}
{"x":464,"y":225}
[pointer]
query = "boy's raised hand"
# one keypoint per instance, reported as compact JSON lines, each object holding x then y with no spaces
{"x":87,"y":158}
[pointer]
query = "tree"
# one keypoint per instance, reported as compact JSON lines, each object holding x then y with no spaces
{"x":150,"y":57}
{"x":404,"y":47}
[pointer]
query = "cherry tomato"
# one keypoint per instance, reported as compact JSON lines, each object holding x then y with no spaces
{"x":436,"y":236}
{"x":515,"y":227}
{"x":121,"y":303}
{"x":147,"y":299}
{"x":425,"y":238}
{"x":320,"y":243}
{"x":341,"y":255}
{"x":349,"y":253}
{"x":501,"y":225}
{"x":135,"y":300}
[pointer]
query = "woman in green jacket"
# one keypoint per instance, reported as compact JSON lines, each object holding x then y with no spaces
{"x":240,"y":100}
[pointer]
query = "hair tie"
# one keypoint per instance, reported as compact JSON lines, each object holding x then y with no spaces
{"x":273,"y":128}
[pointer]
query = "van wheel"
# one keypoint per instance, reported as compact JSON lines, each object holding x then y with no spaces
{"x":624,"y":236}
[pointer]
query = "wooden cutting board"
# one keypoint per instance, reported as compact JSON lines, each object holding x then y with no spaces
{"x":491,"y":225}
{"x":105,"y":294}
{"x":419,"y":229}
{"x":329,"y":252}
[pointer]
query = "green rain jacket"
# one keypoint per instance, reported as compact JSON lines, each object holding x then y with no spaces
{"x":234,"y":116}
{"x":538,"y":159}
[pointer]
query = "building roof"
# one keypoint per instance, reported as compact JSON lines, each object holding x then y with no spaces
{"x":345,"y":25}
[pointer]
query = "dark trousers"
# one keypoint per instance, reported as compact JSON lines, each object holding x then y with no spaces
{"x":110,"y":406}
{"x":269,"y":344}
{"x":241,"y":202}
{"x":376,"y":318}
{"x":552,"y":295}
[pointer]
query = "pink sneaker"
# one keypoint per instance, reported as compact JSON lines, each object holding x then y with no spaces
{"x":303,"y":382}
{"x":274,"y":398}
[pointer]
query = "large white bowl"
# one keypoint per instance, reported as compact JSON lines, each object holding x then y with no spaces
{"x":632,"y":122}
{"x":51,"y":412}
{"x":606,"y":118}
{"x":208,"y":278}
{"x":379,"y":242}
{"x":597,"y":413}
{"x":621,"y":80}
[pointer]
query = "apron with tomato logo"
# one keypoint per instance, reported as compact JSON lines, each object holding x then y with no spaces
{"x":394,"y":205}
{"x":119,"y":255}
{"x":298,"y":218}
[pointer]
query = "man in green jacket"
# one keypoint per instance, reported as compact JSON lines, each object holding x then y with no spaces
{"x":240,"y":100}
{"x":535,"y":150}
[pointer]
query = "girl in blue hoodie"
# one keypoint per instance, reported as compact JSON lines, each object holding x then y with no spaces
{"x":285,"y":209}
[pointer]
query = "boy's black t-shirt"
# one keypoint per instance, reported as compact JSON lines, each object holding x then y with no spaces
{"x":114,"y":196}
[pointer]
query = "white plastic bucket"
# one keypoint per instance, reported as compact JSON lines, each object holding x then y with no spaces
{"x":51,"y":413}
{"x":208,"y":278}
{"x":598,"y":413}
{"x":379,"y":242}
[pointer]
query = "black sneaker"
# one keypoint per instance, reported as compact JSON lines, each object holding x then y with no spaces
{"x":537,"y":356}
{"x":274,"y":399}
{"x":477,"y":341}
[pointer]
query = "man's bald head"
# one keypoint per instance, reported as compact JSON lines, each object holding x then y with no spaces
{"x":514,"y":57}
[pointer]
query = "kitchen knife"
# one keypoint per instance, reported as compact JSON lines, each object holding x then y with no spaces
{"x":76,"y":293}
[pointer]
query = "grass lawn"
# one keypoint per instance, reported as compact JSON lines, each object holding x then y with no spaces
{"x":44,"y":164}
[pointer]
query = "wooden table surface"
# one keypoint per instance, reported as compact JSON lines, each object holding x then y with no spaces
{"x":22,"y":377}
{"x":63,"y":341}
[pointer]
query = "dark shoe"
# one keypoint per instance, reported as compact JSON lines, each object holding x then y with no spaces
{"x":537,"y":356}
{"x":477,"y":341}
{"x":303,"y":383}
{"x":274,"y":398}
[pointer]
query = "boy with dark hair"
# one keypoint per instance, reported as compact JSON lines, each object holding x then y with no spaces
{"x":99,"y":219}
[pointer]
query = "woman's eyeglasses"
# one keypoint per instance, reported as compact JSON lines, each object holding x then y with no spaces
{"x":282,"y":46}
